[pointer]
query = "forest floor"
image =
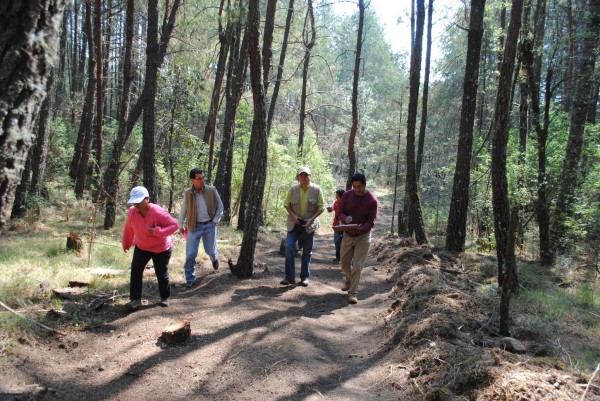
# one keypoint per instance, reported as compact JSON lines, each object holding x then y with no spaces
{"x":423,"y":329}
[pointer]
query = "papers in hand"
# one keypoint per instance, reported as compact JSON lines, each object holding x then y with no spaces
{"x":345,"y":227}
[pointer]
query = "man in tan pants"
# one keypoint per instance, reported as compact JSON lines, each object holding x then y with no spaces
{"x":357,"y":206}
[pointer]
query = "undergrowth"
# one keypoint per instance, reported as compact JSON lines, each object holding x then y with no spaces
{"x":35,"y":261}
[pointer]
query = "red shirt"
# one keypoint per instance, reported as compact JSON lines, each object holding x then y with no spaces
{"x":136,"y":229}
{"x":336,"y":210}
{"x":363,"y":210}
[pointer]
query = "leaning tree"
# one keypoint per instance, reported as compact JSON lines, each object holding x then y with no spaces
{"x":28,"y":49}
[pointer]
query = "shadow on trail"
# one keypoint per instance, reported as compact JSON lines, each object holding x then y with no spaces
{"x":278,"y":332}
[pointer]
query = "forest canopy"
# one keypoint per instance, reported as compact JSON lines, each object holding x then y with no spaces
{"x":141,"y":92}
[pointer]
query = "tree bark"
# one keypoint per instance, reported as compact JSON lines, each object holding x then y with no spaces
{"x":78,"y":150}
{"x":510,"y":280}
{"x":275,"y":94}
{"x":215,"y":101}
{"x":62,"y":65}
{"x":111,"y":176}
{"x":257,"y":157}
{"x":500,"y":122}
{"x":236,"y":75}
{"x":456,"y":230}
{"x":87,"y":119}
{"x":75,"y":51}
{"x":249,"y":173}
{"x":533,"y":72}
{"x":355,"y":77}
{"x":28,"y":47}
{"x":151,"y":82}
{"x":112,"y":171}
{"x":397,"y":167}
{"x":40,"y":151}
{"x":569,"y":58}
{"x":100,"y":94}
{"x":267,"y":51}
{"x":415,"y":215}
{"x":19,"y":207}
{"x":309,"y":42}
{"x":423,"y":126}
{"x":570,"y":170}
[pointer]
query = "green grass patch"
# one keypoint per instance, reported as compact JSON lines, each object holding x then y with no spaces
{"x":559,"y":306}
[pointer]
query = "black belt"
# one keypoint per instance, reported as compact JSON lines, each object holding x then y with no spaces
{"x":203,"y":223}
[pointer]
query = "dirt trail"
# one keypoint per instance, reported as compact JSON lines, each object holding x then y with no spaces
{"x":251,"y":340}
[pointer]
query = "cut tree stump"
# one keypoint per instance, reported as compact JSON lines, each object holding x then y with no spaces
{"x":176,"y":333}
{"x":75,"y":283}
{"x":69,"y":293}
{"x":74,"y":242}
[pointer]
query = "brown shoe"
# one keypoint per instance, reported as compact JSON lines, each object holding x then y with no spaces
{"x":352,"y":299}
{"x":346,"y":286}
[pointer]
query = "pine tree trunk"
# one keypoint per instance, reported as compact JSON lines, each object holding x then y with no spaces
{"x":236,"y":75}
{"x":130,"y":116}
{"x":75,"y":50}
{"x":510,"y":281}
{"x":500,"y":121}
{"x":100,"y":95}
{"x":250,"y":175}
{"x":423,"y":126}
{"x":215,"y":101}
{"x":111,"y":176}
{"x":275,"y":94}
{"x":592,"y":109}
{"x":456,"y":231}
{"x":26,"y":68}
{"x":569,"y":58}
{"x":355,"y":77}
{"x":309,"y":42}
{"x":570,"y":170}
{"x":151,"y":82}
{"x":87,"y":118}
{"x":267,"y":52}
{"x":415,"y":216}
{"x":40,"y":151}
{"x":19,"y":207}
{"x":62,"y":66}
{"x":87,"y":111}
{"x":534,"y":79}
{"x":257,"y":158}
{"x":396,"y":178}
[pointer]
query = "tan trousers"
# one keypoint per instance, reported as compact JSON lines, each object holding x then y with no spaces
{"x":353,"y":257}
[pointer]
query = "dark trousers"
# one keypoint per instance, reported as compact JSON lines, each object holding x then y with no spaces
{"x":337,"y":240}
{"x":161,"y":268}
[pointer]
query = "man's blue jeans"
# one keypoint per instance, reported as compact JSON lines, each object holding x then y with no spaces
{"x":208,"y":233}
{"x":306,"y":241}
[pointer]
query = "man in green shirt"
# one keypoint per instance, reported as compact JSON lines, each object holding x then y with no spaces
{"x":304,"y":204}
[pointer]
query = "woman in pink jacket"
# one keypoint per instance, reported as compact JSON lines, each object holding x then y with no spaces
{"x":149,"y":228}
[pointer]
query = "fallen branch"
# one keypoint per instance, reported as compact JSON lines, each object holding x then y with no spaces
{"x":590,"y":382}
{"x":31,"y":320}
{"x":452,"y":271}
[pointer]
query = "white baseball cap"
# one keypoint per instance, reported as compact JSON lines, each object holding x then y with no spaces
{"x":138,"y":194}
{"x":303,"y":170}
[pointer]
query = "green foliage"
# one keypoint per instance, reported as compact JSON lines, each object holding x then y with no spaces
{"x":60,"y":150}
{"x":586,"y":297}
{"x":545,"y":310}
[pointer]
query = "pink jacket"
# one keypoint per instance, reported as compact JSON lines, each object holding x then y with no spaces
{"x":136,"y":229}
